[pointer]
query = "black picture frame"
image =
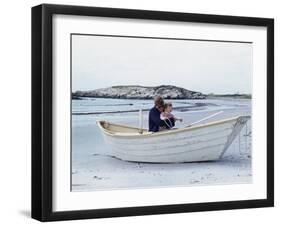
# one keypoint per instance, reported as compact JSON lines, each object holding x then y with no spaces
{"x":42,"y":108}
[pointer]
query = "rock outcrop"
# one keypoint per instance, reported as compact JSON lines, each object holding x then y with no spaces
{"x":140,"y":92}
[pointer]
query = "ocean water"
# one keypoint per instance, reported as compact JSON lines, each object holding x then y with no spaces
{"x":94,"y":168}
{"x":107,"y":105}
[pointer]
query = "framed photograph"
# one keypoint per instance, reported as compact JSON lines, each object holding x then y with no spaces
{"x":139,"y":112}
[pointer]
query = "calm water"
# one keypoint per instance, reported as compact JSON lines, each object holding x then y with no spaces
{"x":104,"y":105}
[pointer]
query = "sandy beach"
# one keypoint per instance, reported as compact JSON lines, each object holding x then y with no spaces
{"x":93,"y":167}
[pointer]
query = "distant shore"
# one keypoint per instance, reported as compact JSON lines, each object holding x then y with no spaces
{"x":146,"y":93}
{"x":140,"y":92}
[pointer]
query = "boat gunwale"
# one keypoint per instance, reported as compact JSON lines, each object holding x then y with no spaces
{"x":178,"y":140}
{"x":161,"y":133}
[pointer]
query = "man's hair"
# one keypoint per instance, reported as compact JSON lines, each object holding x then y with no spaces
{"x":158,"y":101}
{"x":166,"y":105}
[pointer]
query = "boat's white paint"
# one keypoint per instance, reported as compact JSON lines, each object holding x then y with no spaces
{"x":205,"y":142}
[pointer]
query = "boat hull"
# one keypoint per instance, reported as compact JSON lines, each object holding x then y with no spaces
{"x":206,"y":142}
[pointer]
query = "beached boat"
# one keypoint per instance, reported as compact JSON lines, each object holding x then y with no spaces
{"x":204,"y":142}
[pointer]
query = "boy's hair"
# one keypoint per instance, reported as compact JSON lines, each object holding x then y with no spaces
{"x":166,"y":105}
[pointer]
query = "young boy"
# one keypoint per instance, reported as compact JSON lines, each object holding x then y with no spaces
{"x":168,"y":117}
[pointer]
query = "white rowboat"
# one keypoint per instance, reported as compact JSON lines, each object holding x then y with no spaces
{"x":205,"y":142}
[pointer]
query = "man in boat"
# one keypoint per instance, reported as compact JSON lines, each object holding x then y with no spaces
{"x":154,"y":120}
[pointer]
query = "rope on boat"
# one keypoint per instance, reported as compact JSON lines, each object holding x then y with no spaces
{"x":246,"y":136}
{"x":239,"y":143}
{"x":140,"y":121}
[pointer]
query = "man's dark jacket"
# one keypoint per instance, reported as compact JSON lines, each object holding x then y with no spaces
{"x":155,"y":122}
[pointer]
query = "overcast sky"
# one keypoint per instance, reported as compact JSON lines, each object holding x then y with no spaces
{"x":204,"y":66}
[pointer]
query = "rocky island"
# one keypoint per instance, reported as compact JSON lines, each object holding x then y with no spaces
{"x":140,"y":92}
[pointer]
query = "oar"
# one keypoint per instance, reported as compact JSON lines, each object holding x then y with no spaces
{"x":203,"y":119}
{"x":140,"y":121}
